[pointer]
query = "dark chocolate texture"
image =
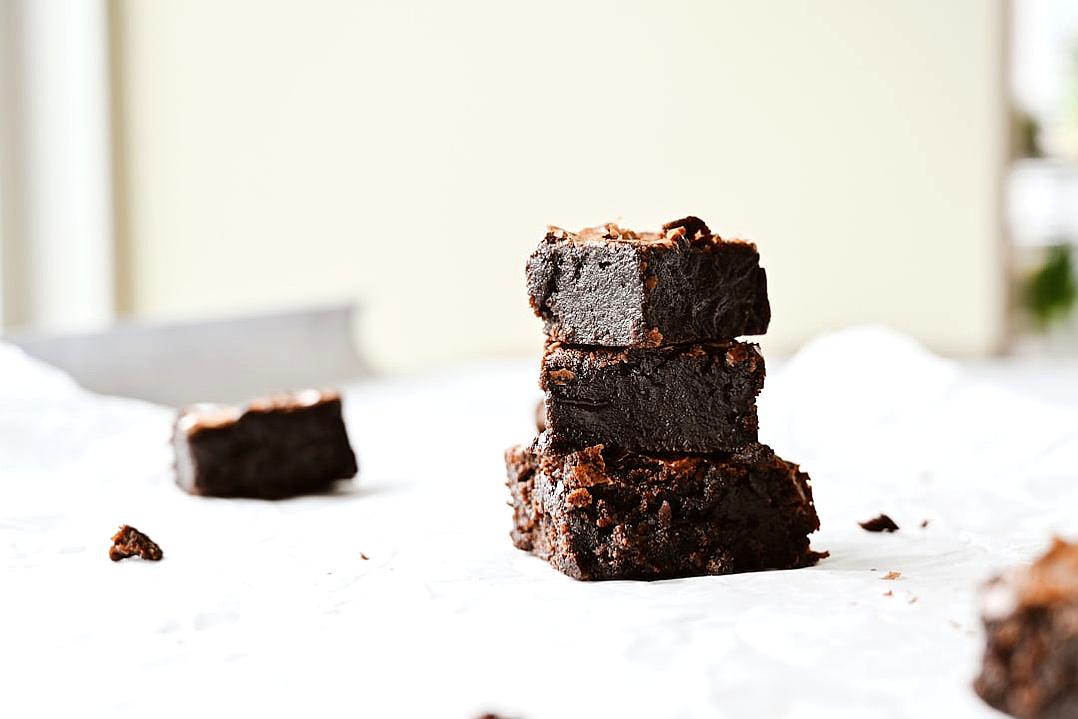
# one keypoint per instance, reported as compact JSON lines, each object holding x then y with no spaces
{"x":618,"y":288}
{"x":601,"y":514}
{"x":1030,"y":614}
{"x":276,"y":447}
{"x":690,"y":398}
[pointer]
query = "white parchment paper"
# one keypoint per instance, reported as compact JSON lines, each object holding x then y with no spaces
{"x":268,"y":609}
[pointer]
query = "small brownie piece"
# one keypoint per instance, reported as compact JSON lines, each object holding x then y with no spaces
{"x":599,"y":514}
{"x":882,"y":523}
{"x":618,"y":288}
{"x":129,"y":542}
{"x":276,"y":447}
{"x":688,"y":398}
{"x":1031,"y":624}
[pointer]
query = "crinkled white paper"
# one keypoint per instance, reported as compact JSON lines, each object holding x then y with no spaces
{"x":268,"y":609}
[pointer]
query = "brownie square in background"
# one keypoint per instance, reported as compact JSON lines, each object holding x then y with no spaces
{"x":276,"y":447}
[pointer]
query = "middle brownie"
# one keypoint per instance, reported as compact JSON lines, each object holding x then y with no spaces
{"x":685,"y":398}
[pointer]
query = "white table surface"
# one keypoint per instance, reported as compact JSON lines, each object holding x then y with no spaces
{"x":266,"y":608}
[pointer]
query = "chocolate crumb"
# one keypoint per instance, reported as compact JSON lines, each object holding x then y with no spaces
{"x":363,"y":556}
{"x":892,"y":575}
{"x":924,"y":523}
{"x":694,"y":227}
{"x":888,"y":593}
{"x":129,"y":542}
{"x":882,"y":523}
{"x":562,"y":376}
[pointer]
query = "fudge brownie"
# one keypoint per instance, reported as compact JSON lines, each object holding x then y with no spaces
{"x":618,"y":288}
{"x":1031,"y":624}
{"x":685,"y":398}
{"x":602,"y":514}
{"x":129,"y":542}
{"x":276,"y":447}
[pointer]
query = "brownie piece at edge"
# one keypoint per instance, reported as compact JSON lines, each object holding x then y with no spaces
{"x":599,"y":514}
{"x":618,"y":288}
{"x":277,"y":447}
{"x":688,"y":398}
{"x":1030,"y":614}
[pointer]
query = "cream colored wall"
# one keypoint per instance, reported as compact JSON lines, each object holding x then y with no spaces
{"x":409,"y":154}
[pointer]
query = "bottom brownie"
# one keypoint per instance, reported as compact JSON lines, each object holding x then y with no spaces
{"x":599,"y":514}
{"x":1031,"y":624}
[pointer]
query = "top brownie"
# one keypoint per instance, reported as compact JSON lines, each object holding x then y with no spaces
{"x":618,"y":288}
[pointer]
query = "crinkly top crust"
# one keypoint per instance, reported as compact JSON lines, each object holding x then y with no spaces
{"x":213,"y":416}
{"x":690,"y":231}
{"x":1051,"y":580}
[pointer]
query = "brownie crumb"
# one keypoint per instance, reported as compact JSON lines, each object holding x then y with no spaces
{"x":888,"y":593}
{"x":363,"y":556}
{"x":882,"y":523}
{"x":924,"y":523}
{"x":892,"y":575}
{"x":129,"y":542}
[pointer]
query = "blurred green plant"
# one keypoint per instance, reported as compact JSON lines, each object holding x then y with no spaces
{"x":1027,"y":135}
{"x":1051,"y":292}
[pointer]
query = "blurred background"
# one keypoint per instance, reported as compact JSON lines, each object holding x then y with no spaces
{"x":912,"y":163}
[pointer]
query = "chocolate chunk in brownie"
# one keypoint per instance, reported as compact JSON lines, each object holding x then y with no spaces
{"x":618,"y":288}
{"x":129,"y":542}
{"x":1030,"y":616}
{"x":882,"y":523}
{"x":688,"y":398}
{"x":276,"y":447}
{"x":602,"y":514}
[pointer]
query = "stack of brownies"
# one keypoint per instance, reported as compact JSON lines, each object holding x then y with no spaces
{"x":649,"y":465}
